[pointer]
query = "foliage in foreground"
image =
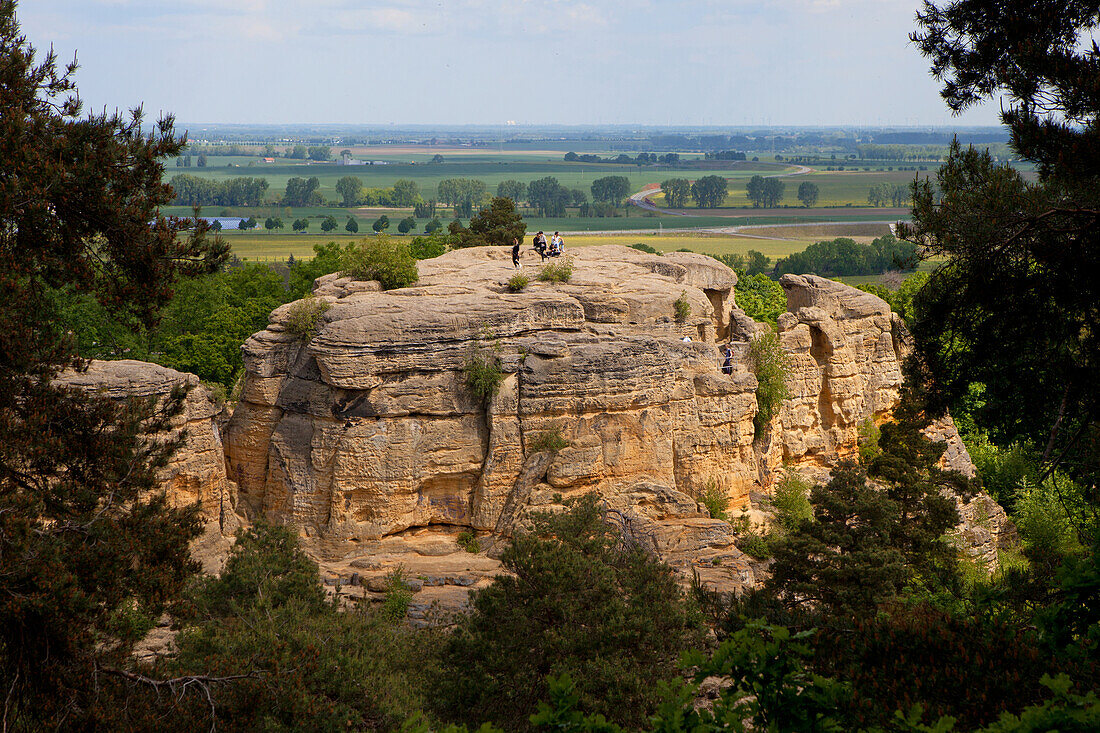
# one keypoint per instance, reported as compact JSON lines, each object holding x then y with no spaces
{"x":90,"y":551}
{"x":304,"y":664}
{"x":581,"y":601}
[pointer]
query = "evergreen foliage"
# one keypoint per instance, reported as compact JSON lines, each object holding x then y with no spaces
{"x":580,"y":599}
{"x":90,"y":551}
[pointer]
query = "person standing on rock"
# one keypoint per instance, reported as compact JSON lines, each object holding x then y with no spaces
{"x":727,"y":365}
{"x":515,"y":254}
{"x":540,"y":244}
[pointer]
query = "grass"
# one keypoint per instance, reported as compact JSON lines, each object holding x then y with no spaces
{"x":549,"y":440}
{"x":304,"y":316}
{"x":681,"y":307}
{"x":517,"y":283}
{"x":557,"y":272}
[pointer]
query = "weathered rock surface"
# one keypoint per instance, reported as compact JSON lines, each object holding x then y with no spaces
{"x":369,"y":439}
{"x":196,"y":472}
{"x":369,"y":430}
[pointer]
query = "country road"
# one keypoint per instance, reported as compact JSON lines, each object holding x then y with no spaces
{"x":639,"y":199}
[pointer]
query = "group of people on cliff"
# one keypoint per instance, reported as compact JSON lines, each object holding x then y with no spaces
{"x":555,"y":248}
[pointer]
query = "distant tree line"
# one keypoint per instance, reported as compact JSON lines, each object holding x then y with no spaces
{"x":195,"y":191}
{"x":404,"y":193}
{"x":624,"y":159}
{"x":844,"y":256}
{"x":314,"y":152}
{"x":887,"y":194}
{"x":724,"y":155}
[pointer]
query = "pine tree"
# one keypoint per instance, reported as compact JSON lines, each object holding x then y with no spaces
{"x":89,"y":551}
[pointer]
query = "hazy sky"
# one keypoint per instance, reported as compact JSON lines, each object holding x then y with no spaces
{"x":697,"y":62}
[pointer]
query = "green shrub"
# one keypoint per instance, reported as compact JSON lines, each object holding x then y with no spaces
{"x":574,"y":600}
{"x":304,"y":316}
{"x":754,"y":544}
{"x":1042,"y":520}
{"x":483,"y":375}
{"x":518,"y":282}
{"x":681,"y":307}
{"x":549,"y":440}
{"x":768,"y":362}
{"x":645,"y":248}
{"x":427,"y":247}
{"x":716,"y":501}
{"x":557,"y":272}
{"x":791,"y":500}
{"x":381,"y":258}
{"x":398,"y":595}
{"x":760,"y":297}
{"x":868,"y":441}
{"x":467,"y":540}
{"x":266,"y":619}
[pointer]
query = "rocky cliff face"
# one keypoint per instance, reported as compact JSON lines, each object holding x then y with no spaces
{"x":368,"y":437}
{"x":369,"y":430}
{"x":196,"y":472}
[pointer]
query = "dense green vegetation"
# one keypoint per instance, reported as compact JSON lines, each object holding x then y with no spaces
{"x":844,"y":256}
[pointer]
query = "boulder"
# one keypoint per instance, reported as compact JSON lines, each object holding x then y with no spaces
{"x":196,"y":472}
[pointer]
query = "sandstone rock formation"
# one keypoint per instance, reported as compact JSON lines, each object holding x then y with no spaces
{"x":368,"y":432}
{"x":196,"y":472}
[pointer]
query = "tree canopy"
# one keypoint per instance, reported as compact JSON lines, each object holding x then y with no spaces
{"x":496,"y":224}
{"x":85,"y":540}
{"x":709,"y":191}
{"x":677,"y":191}
{"x":611,"y":189}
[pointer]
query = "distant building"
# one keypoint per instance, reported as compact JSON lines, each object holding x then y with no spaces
{"x":269,"y":160}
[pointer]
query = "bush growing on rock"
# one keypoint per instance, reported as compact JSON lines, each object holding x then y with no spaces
{"x":304,"y":316}
{"x":681,"y":307}
{"x":557,"y":272}
{"x":548,"y":440}
{"x":381,"y":258}
{"x":483,"y":375}
{"x":517,"y":283}
{"x":467,"y":540}
{"x":768,"y":362}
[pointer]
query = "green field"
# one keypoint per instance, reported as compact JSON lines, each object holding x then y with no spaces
{"x":834,"y":188}
{"x":488,"y":168}
{"x":269,"y":247}
{"x":838,"y":190}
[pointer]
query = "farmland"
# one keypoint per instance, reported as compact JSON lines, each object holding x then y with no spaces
{"x":842,"y":194}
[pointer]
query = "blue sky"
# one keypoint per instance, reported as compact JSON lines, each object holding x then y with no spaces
{"x":656,"y":62}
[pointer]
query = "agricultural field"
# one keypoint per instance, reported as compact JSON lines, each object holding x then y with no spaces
{"x":842,"y":197}
{"x":267,"y":246}
{"x":490,"y":168}
{"x":835,"y":188}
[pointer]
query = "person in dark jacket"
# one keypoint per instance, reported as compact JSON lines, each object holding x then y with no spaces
{"x":727,"y":365}
{"x":515,"y":253}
